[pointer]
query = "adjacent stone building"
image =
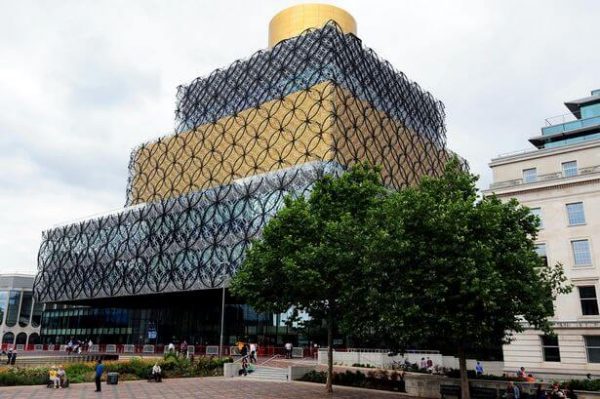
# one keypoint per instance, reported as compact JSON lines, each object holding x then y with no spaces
{"x":560,"y":182}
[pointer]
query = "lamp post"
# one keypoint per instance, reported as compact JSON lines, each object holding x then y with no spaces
{"x":222,"y":319}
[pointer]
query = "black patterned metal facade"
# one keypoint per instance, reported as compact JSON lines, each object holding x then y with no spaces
{"x":246,"y":136}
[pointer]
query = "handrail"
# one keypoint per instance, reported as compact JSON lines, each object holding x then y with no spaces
{"x":271,"y":358}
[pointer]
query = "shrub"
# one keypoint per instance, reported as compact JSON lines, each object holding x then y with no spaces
{"x":584,"y":385}
{"x":378,"y":379}
{"x":133,"y":369}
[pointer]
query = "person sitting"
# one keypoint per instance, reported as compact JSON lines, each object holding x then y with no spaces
{"x":156,"y":373}
{"x":530,"y":378}
{"x":62,"y":376}
{"x":556,"y":392}
{"x":54,"y":378}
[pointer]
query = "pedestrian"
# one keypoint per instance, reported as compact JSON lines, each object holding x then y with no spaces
{"x":99,"y":372}
{"x":512,"y":391}
{"x":13,"y":358}
{"x":288,"y":350}
{"x":171,"y":347}
{"x":429,"y":365}
{"x":521,"y":373}
{"x":530,"y":378}
{"x":157,"y":373}
{"x":90,"y":343}
{"x":539,"y":392}
{"x":478,"y":369}
{"x":9,"y":356}
{"x":423,"y":364}
{"x":244,"y":352}
{"x":54,"y":378}
{"x":183,"y":347}
{"x":252,"y":353}
{"x":244,"y":366}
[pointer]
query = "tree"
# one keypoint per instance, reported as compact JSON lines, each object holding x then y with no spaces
{"x":447,"y":265}
{"x":311,"y":253}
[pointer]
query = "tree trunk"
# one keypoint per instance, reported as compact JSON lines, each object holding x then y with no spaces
{"x":464,"y":379}
{"x":329,"y":383}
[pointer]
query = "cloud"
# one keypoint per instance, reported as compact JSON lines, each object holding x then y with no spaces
{"x":84,"y":82}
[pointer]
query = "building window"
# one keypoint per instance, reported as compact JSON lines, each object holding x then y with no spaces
{"x":569,"y":168}
{"x":575,"y":213}
{"x":592,"y":347}
{"x":550,"y":348}
{"x":589,"y":302}
{"x":540,"y":249}
{"x":538,"y":212}
{"x":529,"y":175}
{"x":581,"y":252}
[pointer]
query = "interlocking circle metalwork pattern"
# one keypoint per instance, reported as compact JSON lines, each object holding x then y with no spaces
{"x":246,"y":136}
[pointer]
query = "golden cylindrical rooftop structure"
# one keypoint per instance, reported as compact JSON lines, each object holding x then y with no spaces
{"x":294,"y":20}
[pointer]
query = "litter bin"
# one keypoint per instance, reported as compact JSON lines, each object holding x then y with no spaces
{"x":112,"y":378}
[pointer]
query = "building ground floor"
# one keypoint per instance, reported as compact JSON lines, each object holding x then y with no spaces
{"x":193,"y":316}
{"x":574,"y":350}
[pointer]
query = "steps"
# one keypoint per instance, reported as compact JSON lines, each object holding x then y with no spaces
{"x":268,"y":374}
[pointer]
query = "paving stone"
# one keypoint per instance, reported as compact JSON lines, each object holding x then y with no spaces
{"x":187,"y":388}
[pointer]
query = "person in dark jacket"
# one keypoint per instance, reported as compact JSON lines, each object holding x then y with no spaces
{"x":99,"y":372}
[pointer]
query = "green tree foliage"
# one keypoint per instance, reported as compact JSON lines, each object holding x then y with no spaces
{"x":449,"y":266}
{"x":429,"y":263}
{"x":311,"y":254}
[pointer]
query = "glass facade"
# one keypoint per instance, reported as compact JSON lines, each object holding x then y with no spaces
{"x":12,"y":311}
{"x":26,"y":304}
{"x":3,"y":304}
{"x":195,"y":317}
{"x":36,"y":317}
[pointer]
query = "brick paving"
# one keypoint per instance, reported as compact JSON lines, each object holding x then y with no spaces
{"x":205,"y":388}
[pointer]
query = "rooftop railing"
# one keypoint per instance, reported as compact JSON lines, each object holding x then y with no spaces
{"x":546,"y":177}
{"x":570,"y":125}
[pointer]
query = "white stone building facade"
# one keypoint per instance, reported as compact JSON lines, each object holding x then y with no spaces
{"x":560,"y":182}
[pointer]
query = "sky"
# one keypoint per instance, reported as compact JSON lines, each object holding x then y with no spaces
{"x":83,"y":82}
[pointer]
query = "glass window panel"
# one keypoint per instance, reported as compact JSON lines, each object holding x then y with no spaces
{"x":575,"y":213}
{"x":529,"y":175}
{"x":3,"y":304}
{"x":538,"y":212}
{"x":540,"y":249}
{"x":589,"y":302}
{"x":26,"y":304}
{"x":592,"y":346}
{"x":12,"y":312}
{"x":569,"y":168}
{"x":36,"y":317}
{"x":581,"y":252}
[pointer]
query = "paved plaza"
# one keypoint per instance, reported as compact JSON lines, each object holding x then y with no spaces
{"x":205,"y":388}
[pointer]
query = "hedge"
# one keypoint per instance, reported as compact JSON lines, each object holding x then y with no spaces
{"x":134,"y":369}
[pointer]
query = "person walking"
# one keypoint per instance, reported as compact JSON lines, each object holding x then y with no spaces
{"x":99,"y":372}
{"x":288,"y":350}
{"x":478,"y":369}
{"x":252,"y":353}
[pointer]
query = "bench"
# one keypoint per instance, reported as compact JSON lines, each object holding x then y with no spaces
{"x":483,"y":393}
{"x":212,"y":350}
{"x":449,"y":390}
